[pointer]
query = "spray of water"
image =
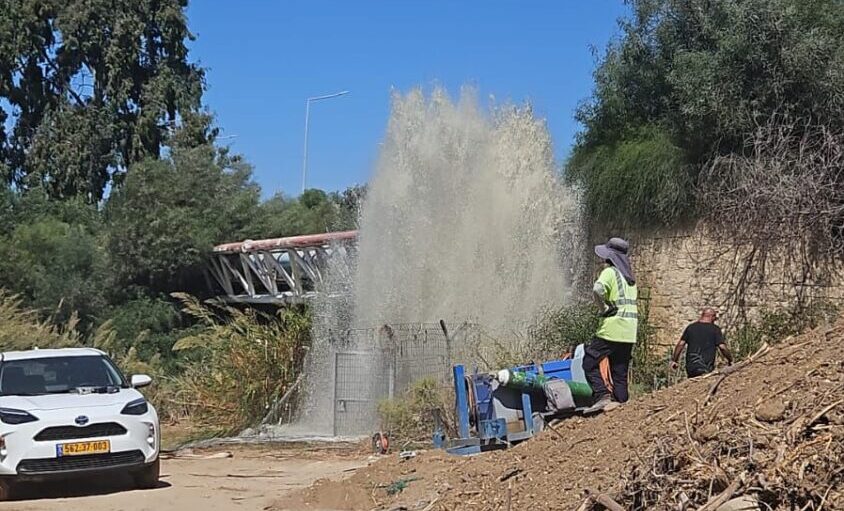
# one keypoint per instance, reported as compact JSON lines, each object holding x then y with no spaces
{"x":464,"y":220}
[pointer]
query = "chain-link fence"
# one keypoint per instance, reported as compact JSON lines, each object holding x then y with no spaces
{"x":371,"y":364}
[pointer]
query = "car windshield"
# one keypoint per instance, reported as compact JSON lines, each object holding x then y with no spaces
{"x":56,"y":375}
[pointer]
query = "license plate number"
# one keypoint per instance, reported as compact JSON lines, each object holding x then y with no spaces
{"x":78,"y":448}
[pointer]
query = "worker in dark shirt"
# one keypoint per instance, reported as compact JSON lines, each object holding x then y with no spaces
{"x":700,"y":339}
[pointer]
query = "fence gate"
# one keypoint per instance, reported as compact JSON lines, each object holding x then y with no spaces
{"x":388,"y":359}
{"x":360,"y":381}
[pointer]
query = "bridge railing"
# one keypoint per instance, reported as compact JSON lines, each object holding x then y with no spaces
{"x":280,"y":270}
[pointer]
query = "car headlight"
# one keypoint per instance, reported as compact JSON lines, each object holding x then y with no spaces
{"x":136,"y":407}
{"x":12,"y":416}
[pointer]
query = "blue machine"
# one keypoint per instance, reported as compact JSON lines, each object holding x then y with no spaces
{"x":494,"y":416}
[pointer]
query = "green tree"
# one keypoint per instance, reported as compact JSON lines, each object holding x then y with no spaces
{"x":168,"y":214}
{"x":350,"y":201}
{"x":315,"y":211}
{"x":7,"y":210}
{"x":692,"y":79}
{"x":54,"y":258}
{"x":92,"y":86}
{"x":642,"y":179}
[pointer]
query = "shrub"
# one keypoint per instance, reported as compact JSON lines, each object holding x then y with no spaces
{"x":706,"y":73}
{"x":149,"y":325}
{"x":649,"y":368}
{"x":775,"y":325}
{"x":55,"y":266}
{"x":640,"y":181}
{"x":242,"y":361}
{"x":409,"y":420}
{"x":560,"y":331}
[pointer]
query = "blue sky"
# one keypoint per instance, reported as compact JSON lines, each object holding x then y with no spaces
{"x":264,"y":58}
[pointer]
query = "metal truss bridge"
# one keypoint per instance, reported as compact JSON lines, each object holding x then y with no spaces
{"x":278,"y":271}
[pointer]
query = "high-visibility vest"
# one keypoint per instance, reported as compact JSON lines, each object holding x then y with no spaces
{"x":622,"y":326}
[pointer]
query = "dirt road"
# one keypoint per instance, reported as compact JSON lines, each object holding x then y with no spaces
{"x":250,"y":478}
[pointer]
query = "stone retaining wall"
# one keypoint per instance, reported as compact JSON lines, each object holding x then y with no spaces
{"x":680,"y":272}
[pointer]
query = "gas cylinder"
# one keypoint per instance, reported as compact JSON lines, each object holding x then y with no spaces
{"x":520,"y":379}
{"x":579,"y":390}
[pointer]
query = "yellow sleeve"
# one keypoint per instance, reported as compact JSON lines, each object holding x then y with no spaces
{"x":606,"y":280}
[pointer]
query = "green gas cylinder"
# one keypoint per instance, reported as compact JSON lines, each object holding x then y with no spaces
{"x":521,"y":380}
{"x":529,"y":381}
{"x":579,"y":390}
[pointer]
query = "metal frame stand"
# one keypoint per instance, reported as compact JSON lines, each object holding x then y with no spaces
{"x":489,"y":433}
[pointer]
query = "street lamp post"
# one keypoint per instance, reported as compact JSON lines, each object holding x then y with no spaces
{"x":307,"y":118}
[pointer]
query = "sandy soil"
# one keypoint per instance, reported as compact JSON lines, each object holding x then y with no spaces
{"x":801,"y":377}
{"x":251,"y":478}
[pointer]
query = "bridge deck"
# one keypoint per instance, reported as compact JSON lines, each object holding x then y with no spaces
{"x":280,"y":270}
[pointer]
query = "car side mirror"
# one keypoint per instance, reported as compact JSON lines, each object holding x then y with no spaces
{"x":140,"y":380}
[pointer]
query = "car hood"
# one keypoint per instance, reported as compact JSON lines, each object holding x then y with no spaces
{"x":63,"y":401}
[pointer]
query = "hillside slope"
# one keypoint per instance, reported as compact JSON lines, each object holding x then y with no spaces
{"x":773,"y":429}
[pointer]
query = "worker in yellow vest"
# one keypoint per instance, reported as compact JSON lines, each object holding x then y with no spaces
{"x":615,"y":289}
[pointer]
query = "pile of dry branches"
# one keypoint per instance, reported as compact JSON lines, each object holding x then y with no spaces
{"x":784,"y":452}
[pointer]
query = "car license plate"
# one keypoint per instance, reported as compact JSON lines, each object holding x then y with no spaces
{"x":78,"y":448}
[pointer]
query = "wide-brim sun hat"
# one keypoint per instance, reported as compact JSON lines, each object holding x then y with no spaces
{"x":615,"y":250}
{"x":611,"y":247}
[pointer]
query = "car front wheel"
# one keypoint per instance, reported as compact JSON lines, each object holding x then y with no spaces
{"x":148,"y":476}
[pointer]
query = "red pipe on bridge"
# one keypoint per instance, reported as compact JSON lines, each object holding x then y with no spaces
{"x":304,"y":241}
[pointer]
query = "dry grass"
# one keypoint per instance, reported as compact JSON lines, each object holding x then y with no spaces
{"x":233,"y":365}
{"x":409,"y":419}
{"x":239,"y":362}
{"x":22,"y":329}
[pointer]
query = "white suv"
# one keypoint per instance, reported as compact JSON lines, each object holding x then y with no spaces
{"x":71,"y":413}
